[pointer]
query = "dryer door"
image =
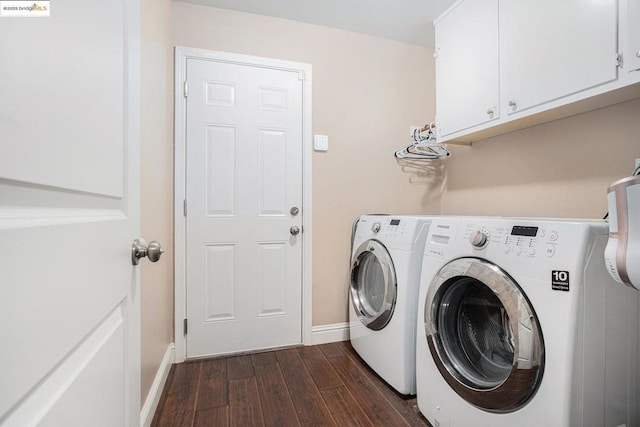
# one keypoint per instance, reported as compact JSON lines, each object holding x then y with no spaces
{"x":373,"y":284}
{"x":484,"y":335}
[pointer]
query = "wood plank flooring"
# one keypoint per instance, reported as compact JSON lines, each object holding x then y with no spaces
{"x":325,"y":385}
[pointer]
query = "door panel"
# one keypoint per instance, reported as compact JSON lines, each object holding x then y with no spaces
{"x":68,"y":214}
{"x":221,"y":172}
{"x":467,"y":74}
{"x":272,"y":278}
{"x":104,"y":366}
{"x":244,"y":173}
{"x":272,"y":172}
{"x":538,"y":66}
{"x":77,"y":52}
{"x":220,"y":282}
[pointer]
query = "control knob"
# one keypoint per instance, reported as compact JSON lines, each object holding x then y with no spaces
{"x":479,"y":239}
{"x":376,"y":227}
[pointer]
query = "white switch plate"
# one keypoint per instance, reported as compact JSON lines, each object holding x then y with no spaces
{"x":320,"y":142}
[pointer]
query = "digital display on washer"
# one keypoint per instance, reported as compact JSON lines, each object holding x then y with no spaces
{"x":395,"y":222}
{"x":519,"y":230}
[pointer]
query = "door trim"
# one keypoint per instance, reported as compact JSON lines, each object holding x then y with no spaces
{"x":182,"y":54}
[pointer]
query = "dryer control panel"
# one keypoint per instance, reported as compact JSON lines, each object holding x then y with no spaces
{"x":396,"y":228}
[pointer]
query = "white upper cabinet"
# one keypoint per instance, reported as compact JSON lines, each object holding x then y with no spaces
{"x":550,"y":49}
{"x":633,"y":39}
{"x":463,"y":60}
{"x":503,"y":65}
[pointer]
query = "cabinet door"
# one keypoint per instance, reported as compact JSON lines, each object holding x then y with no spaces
{"x":550,"y":49}
{"x":467,"y":75}
{"x":633,"y":18}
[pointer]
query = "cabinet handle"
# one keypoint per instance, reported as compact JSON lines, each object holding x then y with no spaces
{"x":513,"y":104}
{"x":490,"y":111}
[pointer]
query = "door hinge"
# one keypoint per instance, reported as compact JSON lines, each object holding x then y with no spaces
{"x":184,"y":207}
{"x":301,"y":75}
{"x":185,"y":88}
{"x":619,"y":59}
{"x":185,"y":326}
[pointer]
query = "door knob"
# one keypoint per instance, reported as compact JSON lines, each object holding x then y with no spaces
{"x":294,"y":211}
{"x":294,"y":230}
{"x":140,"y":249}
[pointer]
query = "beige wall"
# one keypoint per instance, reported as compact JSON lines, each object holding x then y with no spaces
{"x":367,"y":91}
{"x":558,"y":169}
{"x":156,"y":185}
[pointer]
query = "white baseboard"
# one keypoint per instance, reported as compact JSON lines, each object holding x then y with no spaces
{"x":324,"y":334}
{"x":153,"y":398}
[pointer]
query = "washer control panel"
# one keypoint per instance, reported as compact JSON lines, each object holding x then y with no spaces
{"x":515,"y":240}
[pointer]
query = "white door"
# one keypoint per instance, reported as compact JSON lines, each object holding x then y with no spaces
{"x":68,"y":214}
{"x":243,"y":186}
{"x":550,"y":49}
{"x":633,"y":31}
{"x":467,"y":77}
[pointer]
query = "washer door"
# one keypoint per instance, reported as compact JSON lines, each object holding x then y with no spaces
{"x":484,"y":335}
{"x":373,"y":284}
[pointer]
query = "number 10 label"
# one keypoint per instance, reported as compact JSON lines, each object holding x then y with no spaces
{"x":560,"y":280}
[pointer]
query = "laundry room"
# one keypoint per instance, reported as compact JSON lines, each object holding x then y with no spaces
{"x":367,"y":93}
{"x":359,"y":96}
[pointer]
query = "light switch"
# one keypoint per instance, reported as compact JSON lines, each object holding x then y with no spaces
{"x":321,"y":142}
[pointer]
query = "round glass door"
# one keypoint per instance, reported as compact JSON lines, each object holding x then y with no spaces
{"x":483,"y":335}
{"x":373,"y":284}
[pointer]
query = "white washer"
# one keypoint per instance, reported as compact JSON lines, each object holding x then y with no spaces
{"x":519,"y":323}
{"x":385,"y":272}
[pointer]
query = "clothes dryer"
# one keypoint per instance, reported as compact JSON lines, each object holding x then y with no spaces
{"x":383,"y":296}
{"x":520,"y":324}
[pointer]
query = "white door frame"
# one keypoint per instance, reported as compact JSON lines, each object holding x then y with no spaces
{"x":181,"y":56}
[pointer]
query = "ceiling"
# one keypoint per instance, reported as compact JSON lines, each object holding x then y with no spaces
{"x":409,"y":21}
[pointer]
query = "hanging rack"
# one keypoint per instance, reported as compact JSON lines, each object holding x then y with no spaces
{"x":424,"y":145}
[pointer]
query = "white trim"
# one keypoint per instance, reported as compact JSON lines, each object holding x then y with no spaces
{"x":330,"y":333}
{"x":153,"y":398}
{"x":181,"y":56}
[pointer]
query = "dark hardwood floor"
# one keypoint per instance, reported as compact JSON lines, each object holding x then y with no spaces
{"x":325,"y":385}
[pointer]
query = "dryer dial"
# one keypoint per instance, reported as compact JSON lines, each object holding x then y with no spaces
{"x":479,"y":239}
{"x":376,"y":227}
